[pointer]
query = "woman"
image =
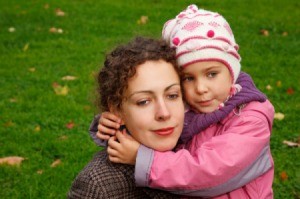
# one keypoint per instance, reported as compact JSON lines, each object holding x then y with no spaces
{"x":139,"y":82}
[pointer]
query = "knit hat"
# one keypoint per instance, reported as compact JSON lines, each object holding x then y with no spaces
{"x":201,"y":35}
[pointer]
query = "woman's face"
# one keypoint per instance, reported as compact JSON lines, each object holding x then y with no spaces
{"x":153,"y":109}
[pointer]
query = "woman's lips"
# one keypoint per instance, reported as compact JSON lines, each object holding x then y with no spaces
{"x":164,"y":131}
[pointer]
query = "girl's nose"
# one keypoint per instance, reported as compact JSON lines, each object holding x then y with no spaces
{"x":162,"y":112}
{"x":200,"y":87}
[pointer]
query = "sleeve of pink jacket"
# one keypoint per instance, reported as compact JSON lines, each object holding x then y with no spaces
{"x":219,"y":165}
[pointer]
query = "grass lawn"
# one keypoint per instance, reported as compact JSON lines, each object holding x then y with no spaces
{"x":38,"y":48}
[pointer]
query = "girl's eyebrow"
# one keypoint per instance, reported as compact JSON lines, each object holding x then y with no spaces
{"x":151,"y":92}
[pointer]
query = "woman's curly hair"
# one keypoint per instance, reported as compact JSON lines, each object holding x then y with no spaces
{"x":120,"y":65}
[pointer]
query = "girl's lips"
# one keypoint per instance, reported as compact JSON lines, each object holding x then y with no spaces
{"x":205,"y":103}
{"x":164,"y":131}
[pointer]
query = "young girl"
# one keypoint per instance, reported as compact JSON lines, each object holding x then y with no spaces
{"x":231,"y":157}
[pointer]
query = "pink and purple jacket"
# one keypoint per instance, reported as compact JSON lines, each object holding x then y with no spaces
{"x":232,"y":157}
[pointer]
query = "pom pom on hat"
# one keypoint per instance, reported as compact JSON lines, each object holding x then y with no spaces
{"x":201,"y":35}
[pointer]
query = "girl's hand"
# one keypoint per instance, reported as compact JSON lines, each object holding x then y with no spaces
{"x":108,"y":125}
{"x":122,"y":148}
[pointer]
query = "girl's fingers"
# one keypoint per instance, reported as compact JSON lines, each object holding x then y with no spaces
{"x":113,"y":143}
{"x":106,"y":130}
{"x":108,"y":123}
{"x":112,"y":152}
{"x":114,"y":159}
{"x":102,"y":136}
{"x":110,"y":116}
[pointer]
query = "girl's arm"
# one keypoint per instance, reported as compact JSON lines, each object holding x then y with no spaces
{"x":219,"y":165}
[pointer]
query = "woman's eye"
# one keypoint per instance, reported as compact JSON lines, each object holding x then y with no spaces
{"x":173,"y":96}
{"x":143,"y":102}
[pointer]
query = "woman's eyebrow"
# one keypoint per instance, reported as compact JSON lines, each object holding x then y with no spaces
{"x":151,"y":92}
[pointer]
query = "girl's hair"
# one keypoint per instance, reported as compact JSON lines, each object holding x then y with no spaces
{"x":120,"y":65}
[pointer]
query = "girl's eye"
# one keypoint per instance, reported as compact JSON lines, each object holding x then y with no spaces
{"x":212,"y":74}
{"x":143,"y":102}
{"x":187,"y":79}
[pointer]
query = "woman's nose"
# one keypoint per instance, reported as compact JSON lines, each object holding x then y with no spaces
{"x":162,"y":112}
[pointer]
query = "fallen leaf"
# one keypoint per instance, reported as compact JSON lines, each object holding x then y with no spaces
{"x":60,"y":90}
{"x":64,"y":137}
{"x":285,"y":34}
{"x":31,"y":69}
{"x":13,"y":100}
{"x":87,"y":108}
{"x":278,"y":83}
{"x":60,"y":31}
{"x":268,"y":87}
{"x":264,"y":32}
{"x":279,"y":116}
{"x":68,"y":78}
{"x":59,"y":12}
{"x":9,"y":124}
{"x":11,"y":29}
{"x":283,"y":176}
{"x":37,"y":128}
{"x":143,"y":20}
{"x":70,"y":125}
{"x":290,"y":91}
{"x":25,"y":48}
{"x":12,"y":160}
{"x":55,"y":85}
{"x":291,"y":144}
{"x":56,"y":30}
{"x":56,"y":163}
{"x":40,"y":172}
{"x":53,"y":30}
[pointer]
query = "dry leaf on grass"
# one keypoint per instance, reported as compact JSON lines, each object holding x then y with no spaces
{"x":290,"y":91}
{"x":11,"y":29}
{"x":56,"y":30}
{"x":31,"y":69}
{"x":40,"y":172}
{"x":59,"y":12}
{"x":279,"y":116}
{"x":264,"y":32}
{"x":291,"y":144}
{"x":283,"y":176}
{"x":37,"y":128}
{"x":56,"y":163}
{"x":70,"y":125}
{"x":143,"y":20}
{"x":269,"y":87}
{"x":68,"y":78}
{"x":12,"y":160}
{"x":26,"y":47}
{"x":60,"y":90}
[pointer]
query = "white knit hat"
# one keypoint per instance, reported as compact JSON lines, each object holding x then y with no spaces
{"x":201,"y":35}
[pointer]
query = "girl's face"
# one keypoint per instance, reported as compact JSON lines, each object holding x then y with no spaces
{"x":206,"y":85}
{"x":153,"y":109}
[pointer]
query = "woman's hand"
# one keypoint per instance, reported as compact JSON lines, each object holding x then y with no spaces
{"x":108,"y":125}
{"x":122,"y":148}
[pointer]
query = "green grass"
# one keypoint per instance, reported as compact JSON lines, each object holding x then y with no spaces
{"x":90,"y":29}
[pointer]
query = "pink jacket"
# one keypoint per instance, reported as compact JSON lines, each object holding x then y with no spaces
{"x":230,"y":159}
